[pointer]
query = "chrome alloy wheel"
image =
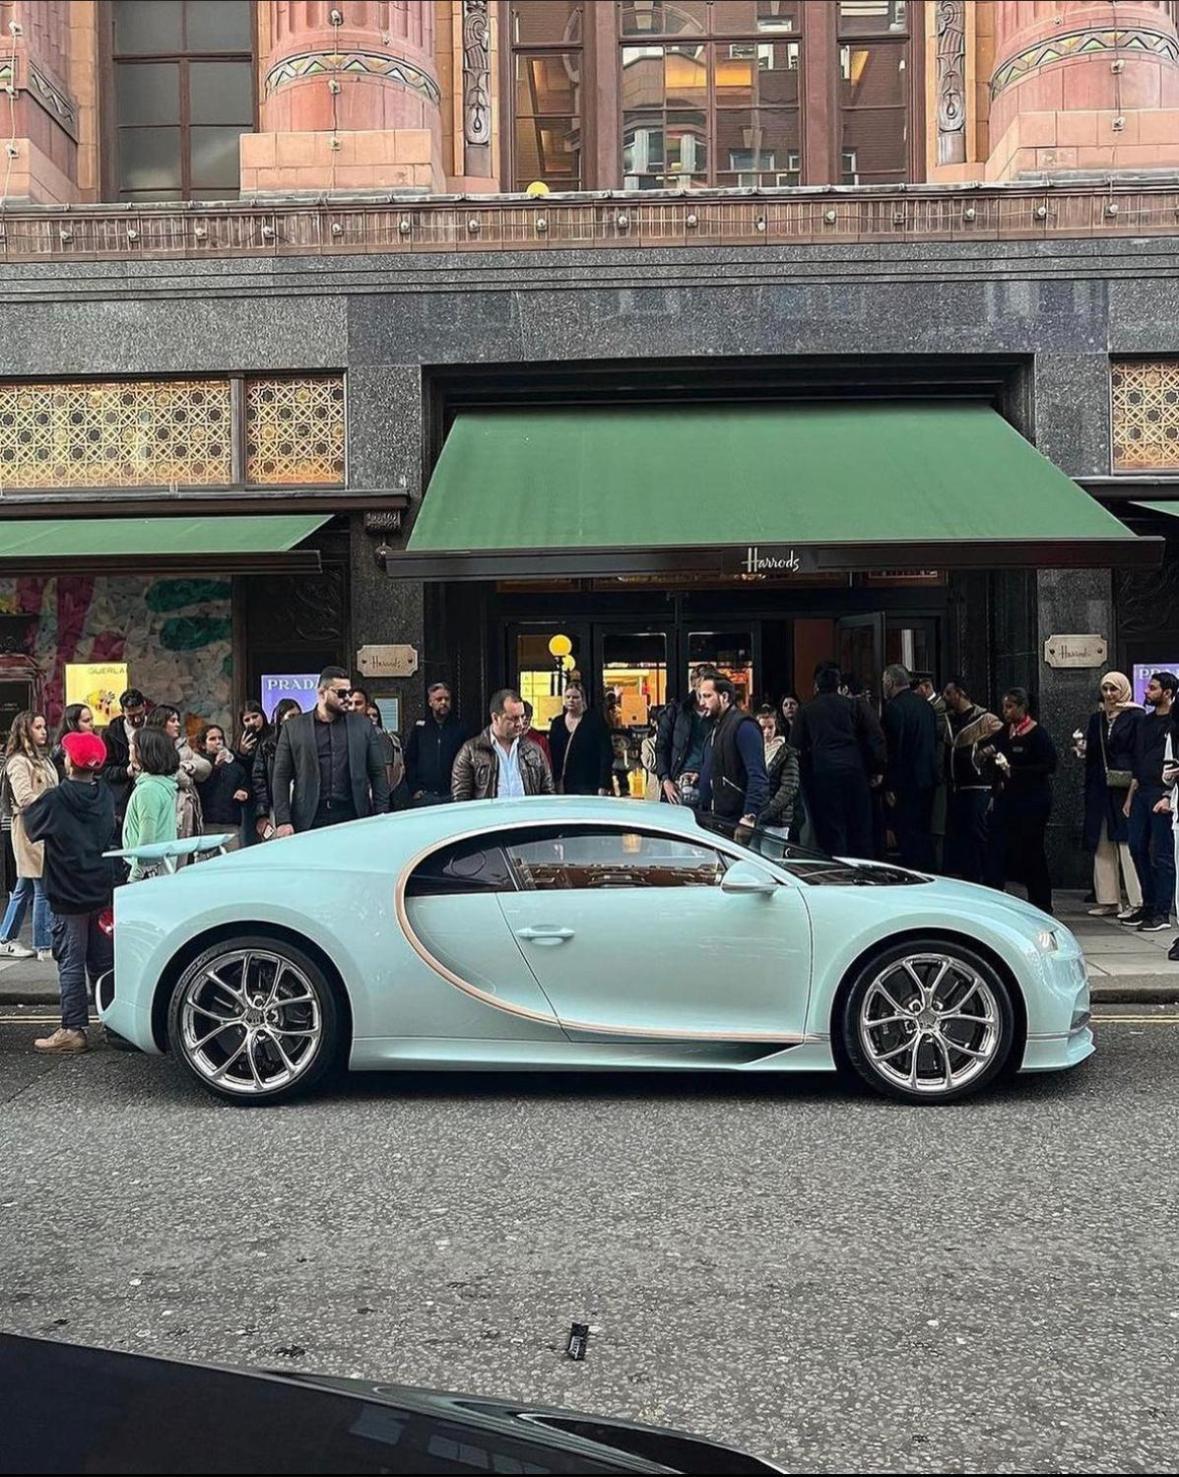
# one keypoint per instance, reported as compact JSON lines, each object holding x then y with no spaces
{"x":250,"y":1022}
{"x":930,"y":1023}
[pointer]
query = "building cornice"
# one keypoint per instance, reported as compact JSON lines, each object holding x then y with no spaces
{"x":1039,"y":210}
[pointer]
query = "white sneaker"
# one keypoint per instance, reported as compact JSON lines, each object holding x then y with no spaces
{"x":44,"y":956}
{"x":15,"y":950}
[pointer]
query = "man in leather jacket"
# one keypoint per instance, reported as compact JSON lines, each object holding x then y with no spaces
{"x":498,"y":763}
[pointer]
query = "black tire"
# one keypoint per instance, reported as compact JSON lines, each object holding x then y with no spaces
{"x":322,"y":1052}
{"x":995,"y":1032}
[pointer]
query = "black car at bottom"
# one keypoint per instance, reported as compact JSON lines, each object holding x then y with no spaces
{"x":67,"y":1408}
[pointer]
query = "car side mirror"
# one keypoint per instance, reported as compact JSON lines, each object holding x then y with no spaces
{"x":745,"y":877}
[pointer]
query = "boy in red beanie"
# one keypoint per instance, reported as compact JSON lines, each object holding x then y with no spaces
{"x":76,"y":821}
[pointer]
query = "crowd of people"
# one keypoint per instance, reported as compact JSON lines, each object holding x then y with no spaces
{"x":935,"y":779}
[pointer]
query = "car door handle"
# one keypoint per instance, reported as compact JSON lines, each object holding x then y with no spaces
{"x":545,"y":935}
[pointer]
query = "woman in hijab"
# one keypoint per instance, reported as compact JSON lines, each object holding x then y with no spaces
{"x":1108,"y":751}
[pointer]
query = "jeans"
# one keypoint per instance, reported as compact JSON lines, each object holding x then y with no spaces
{"x":81,"y":949}
{"x":1153,"y":848}
{"x":965,"y":852}
{"x":25,"y":888}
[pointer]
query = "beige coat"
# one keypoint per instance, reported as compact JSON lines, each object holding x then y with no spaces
{"x":28,"y":778}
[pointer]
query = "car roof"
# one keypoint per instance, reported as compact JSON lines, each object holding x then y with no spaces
{"x":473,"y":815}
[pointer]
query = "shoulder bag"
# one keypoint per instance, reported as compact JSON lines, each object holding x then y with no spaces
{"x":1116,"y":779}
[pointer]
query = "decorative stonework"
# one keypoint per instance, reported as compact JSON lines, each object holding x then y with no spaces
{"x":351,"y":63}
{"x":1145,"y":404}
{"x":1133,"y":40}
{"x":118,"y":433}
{"x":295,"y":431}
{"x":476,"y":73}
{"x":53,"y":99}
{"x":951,"y":82}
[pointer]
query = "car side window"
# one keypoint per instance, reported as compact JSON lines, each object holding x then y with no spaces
{"x":477,"y":865}
{"x":584,"y":858}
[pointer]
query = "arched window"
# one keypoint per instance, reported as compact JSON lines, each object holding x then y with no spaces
{"x":183,"y":94}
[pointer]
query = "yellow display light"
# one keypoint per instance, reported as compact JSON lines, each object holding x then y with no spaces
{"x":560,"y":646}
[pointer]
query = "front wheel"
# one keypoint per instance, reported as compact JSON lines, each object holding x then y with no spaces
{"x":254,"y":1020}
{"x":928,"y":1022}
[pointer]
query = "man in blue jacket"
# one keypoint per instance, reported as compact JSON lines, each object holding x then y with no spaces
{"x":734,"y":785}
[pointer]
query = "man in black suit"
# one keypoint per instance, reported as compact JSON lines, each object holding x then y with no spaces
{"x":329,"y":766}
{"x":118,"y":771}
{"x":911,"y":773}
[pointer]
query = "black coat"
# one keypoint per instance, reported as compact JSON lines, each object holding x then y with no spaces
{"x":673,"y":738}
{"x":296,"y":764}
{"x":430,"y":753}
{"x":1103,"y":806}
{"x":118,"y":757}
{"x":582,"y":761}
{"x":910,"y":732}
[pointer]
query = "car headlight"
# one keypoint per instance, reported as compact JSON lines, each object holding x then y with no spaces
{"x":1048,"y":941}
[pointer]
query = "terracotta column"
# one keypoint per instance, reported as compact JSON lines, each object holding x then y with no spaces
{"x":41,"y":133}
{"x":1083,"y":85}
{"x":350,"y":99}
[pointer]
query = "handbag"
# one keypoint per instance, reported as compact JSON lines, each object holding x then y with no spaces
{"x":1116,"y":779}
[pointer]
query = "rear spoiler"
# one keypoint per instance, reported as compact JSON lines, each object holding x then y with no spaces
{"x":170,"y":854}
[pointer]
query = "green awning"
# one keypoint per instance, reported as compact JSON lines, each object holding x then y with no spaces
{"x":1171,"y":510}
{"x":767,"y":489}
{"x":208,"y":543}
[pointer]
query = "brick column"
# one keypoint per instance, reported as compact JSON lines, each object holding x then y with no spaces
{"x":1083,"y":85}
{"x":347,"y":104}
{"x":40,"y":129}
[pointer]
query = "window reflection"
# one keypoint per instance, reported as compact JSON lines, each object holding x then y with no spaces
{"x":699,"y":114}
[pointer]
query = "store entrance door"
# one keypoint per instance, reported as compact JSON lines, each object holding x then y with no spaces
{"x":632,"y":663}
{"x":859,"y":641}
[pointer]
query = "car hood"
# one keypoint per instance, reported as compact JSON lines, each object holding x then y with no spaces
{"x":951,"y":893}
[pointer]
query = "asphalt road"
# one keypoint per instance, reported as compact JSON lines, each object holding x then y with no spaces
{"x":829,"y":1280}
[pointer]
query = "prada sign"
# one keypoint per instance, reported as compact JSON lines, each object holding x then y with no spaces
{"x":770,"y":561}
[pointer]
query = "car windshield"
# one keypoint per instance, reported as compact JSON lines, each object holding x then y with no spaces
{"x":808,"y":865}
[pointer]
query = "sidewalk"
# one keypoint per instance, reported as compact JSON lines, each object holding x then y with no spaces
{"x":1125,"y":967}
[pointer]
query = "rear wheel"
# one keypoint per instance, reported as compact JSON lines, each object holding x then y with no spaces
{"x":928,"y":1022}
{"x":254,"y":1020}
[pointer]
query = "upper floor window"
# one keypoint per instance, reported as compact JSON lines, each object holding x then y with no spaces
{"x":183,"y":95}
{"x":874,"y":59}
{"x":710,"y":92}
{"x":546,"y":79}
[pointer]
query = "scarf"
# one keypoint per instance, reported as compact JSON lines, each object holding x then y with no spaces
{"x":1123,"y":699}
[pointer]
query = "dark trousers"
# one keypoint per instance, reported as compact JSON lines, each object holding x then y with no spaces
{"x":912,"y":823}
{"x":965,"y":853}
{"x":1015,"y":853}
{"x":82,"y":950}
{"x":1152,"y":846}
{"x":839,"y":804}
{"x":431,"y":797}
{"x":333,"y":813}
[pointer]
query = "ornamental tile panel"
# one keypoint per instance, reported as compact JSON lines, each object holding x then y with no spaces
{"x":122,"y":433}
{"x":1145,"y":402}
{"x":295,"y":431}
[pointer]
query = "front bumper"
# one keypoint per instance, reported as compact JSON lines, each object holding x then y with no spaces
{"x":1058,"y":1026}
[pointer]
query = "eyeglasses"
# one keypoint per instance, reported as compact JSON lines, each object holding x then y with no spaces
{"x":342,"y":691}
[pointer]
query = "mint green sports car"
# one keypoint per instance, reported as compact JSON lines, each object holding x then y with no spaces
{"x":571,"y":933}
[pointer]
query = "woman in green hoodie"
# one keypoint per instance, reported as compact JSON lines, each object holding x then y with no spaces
{"x":151,"y":811}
